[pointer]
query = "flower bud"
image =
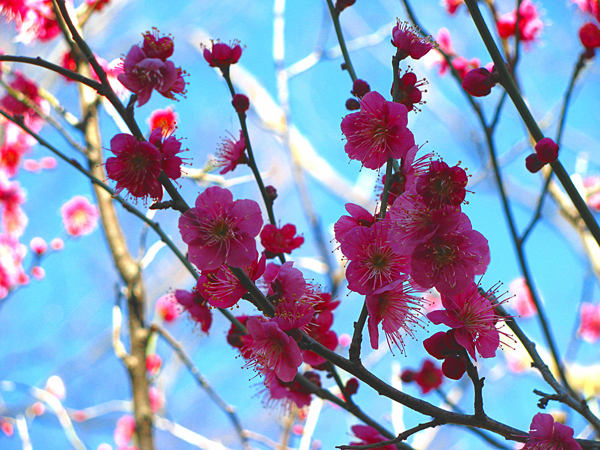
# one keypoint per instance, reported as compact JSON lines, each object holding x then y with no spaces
{"x":241,"y":103}
{"x":546,"y":150}
{"x":351,"y":386}
{"x":589,"y":34}
{"x":479,"y":82}
{"x":360,"y":88}
{"x":352,"y":105}
{"x":533,"y":164}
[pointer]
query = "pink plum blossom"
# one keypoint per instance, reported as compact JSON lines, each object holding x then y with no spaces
{"x":395,"y":307}
{"x":547,"y":434}
{"x":272,"y":350}
{"x":359,"y":217}
{"x":377,"y":132}
{"x":522,"y":302}
{"x":79,"y":216}
{"x":279,"y":240}
{"x":219,"y":230}
{"x":373,"y":263}
{"x":231,"y":153}
{"x":449,"y":262}
{"x":473,"y":318}
{"x":589,"y":322}
{"x":409,"y":41}
{"x":166,"y":308}
{"x":165,"y":119}
{"x":195,"y":305}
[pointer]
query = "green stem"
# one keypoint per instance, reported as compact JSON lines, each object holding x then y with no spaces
{"x":335,"y":17}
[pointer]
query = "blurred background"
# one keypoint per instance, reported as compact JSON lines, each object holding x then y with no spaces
{"x":290,"y":68}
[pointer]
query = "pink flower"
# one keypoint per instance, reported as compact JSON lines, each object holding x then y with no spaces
{"x":48,"y":163}
{"x":369,"y":435}
{"x":38,"y":245}
{"x":38,"y":272}
{"x":409,"y":41}
{"x":57,"y":244}
{"x":165,"y":119}
{"x":449,"y":262}
{"x":38,"y":22}
{"x":79,"y":216}
{"x":147,"y":69}
{"x":444,"y":41}
{"x":166,"y":307}
{"x":169,"y":147}
{"x":359,"y":216}
{"x":378,"y":132}
{"x":522,"y":301}
{"x":589,"y":322}
{"x":157,"y":399}
{"x":293,"y":392}
{"x":15,"y":107}
{"x":413,"y":223}
{"x":547,"y":434}
{"x":231,"y":153}
{"x":136,"y":166}
{"x":442,"y":185}
{"x":410,"y":94}
{"x":272,"y":350}
{"x":222,"y":289}
{"x":279,"y":240}
{"x":124,"y":430}
{"x":373,"y":263}
{"x":429,"y":377}
{"x":530,"y":24}
{"x":222,"y":55}
{"x":219,"y":230}
{"x":396,"y":309}
{"x":195,"y":305}
{"x":463,"y":65}
{"x":452,"y":5}
{"x":285,"y":283}
{"x":473,"y":318}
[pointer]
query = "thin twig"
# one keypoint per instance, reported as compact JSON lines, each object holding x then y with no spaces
{"x":203,"y":382}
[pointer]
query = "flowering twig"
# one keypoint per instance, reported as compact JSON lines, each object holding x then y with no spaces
{"x":512,"y":90}
{"x":477,"y":384}
{"x":203,"y":382}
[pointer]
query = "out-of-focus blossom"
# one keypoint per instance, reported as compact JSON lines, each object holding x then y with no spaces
{"x":530,"y":24}
{"x":369,"y":435}
{"x":522,"y":302}
{"x":153,"y":363}
{"x":157,"y":399}
{"x":166,"y":307}
{"x":428,"y":377}
{"x":38,"y":245}
{"x":124,"y":430}
{"x":38,"y":272}
{"x":57,"y":244}
{"x":196,"y":306}
{"x":165,"y":119}
{"x":589,"y":322}
{"x":231,"y":153}
{"x":79,"y":216}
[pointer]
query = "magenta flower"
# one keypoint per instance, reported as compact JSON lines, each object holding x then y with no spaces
{"x":219,"y":230}
{"x":222,"y":289}
{"x":396,"y":309}
{"x":79,"y":216}
{"x":522,"y":302}
{"x":279,"y":240}
{"x":168,"y":147}
{"x":231,"y":153}
{"x":222,"y":55}
{"x":414,"y":223}
{"x":292,"y":392}
{"x":144,"y":72}
{"x":359,"y":217}
{"x":378,"y":132}
{"x":195,"y":305}
{"x":136,"y":166}
{"x":450,"y":261}
{"x":409,"y":41}
{"x":442,"y":185}
{"x":546,"y":434}
{"x":369,"y":435}
{"x":272,"y":350}
{"x":373,"y":263}
{"x":165,"y":119}
{"x":589,"y":322}
{"x":284,"y":282}
{"x":474,"y":320}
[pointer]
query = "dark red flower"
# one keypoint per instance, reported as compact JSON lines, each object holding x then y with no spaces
{"x":222,"y":55}
{"x":479,"y":82}
{"x":546,"y":150}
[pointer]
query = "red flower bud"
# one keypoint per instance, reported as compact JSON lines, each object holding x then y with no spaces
{"x":546,"y":150}
{"x":241,"y":103}
{"x":589,"y":34}
{"x":352,"y":105}
{"x":360,"y":88}
{"x":533,"y":164}
{"x":479,"y":82}
{"x":351,"y":386}
{"x":408,"y":376}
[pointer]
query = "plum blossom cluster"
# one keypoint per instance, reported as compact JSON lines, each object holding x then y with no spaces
{"x":221,"y":234}
{"x":147,"y":68}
